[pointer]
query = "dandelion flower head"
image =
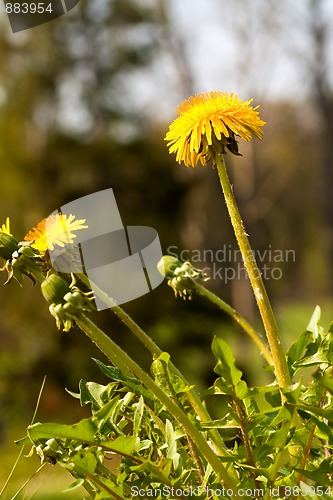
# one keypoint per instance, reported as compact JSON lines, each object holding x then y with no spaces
{"x":55,"y":230}
{"x":207,"y":125}
{"x":5,"y":228}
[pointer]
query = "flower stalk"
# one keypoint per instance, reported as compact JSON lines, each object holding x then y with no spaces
{"x":245,"y":325}
{"x":185,"y":279}
{"x":205,"y":130}
{"x":259,"y":290}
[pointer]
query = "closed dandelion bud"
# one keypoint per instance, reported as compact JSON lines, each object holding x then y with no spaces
{"x":8,"y":245}
{"x":54,"y":288}
{"x":182,"y":277}
{"x":167,"y":265}
{"x":76,"y":301}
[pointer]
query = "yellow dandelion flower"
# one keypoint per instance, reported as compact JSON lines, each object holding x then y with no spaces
{"x":55,"y":230}
{"x":5,"y":228}
{"x":207,"y":125}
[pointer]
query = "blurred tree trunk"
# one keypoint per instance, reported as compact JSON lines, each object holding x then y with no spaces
{"x":175,"y":45}
{"x":319,"y":28}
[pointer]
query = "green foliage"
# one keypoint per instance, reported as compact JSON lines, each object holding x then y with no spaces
{"x":127,"y":422}
{"x":132,"y":443}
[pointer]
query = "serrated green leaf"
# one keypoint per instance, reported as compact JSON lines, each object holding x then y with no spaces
{"x":326,"y":347}
{"x":171,"y":441}
{"x":156,"y":472}
{"x":130,"y":383}
{"x":231,"y":376}
{"x":144,"y":445}
{"x":284,"y":415}
{"x":90,"y":392}
{"x":297,"y":348}
{"x":316,"y":359}
{"x":124,"y":445}
{"x":138,"y":417}
{"x":313,"y":325}
{"x":241,"y":390}
{"x":226,"y":366}
{"x":83,"y":431}
{"x":108,"y":488}
{"x":85,"y":461}
{"x":221,"y":387}
{"x":325,"y":381}
{"x":171,"y":384}
{"x":322,"y":412}
{"x":278,"y":438}
{"x":323,"y":431}
{"x":293,"y":392}
{"x":107,"y":412}
{"x":319,"y":478}
{"x":115,"y":374}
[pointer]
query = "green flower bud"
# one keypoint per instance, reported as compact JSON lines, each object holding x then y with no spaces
{"x":54,"y":288}
{"x":182,"y":276}
{"x":167,"y":265}
{"x":20,"y":260}
{"x":77,"y":300}
{"x":8,"y":245}
{"x":67,"y":301}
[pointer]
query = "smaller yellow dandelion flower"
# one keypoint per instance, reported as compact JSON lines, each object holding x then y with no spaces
{"x":207,"y":125}
{"x":5,"y":228}
{"x":55,"y":230}
{"x":8,"y":244}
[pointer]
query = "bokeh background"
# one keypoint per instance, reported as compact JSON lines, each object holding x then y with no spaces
{"x":85,"y":102}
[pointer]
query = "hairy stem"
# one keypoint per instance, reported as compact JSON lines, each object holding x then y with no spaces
{"x":259,"y":290}
{"x":253,"y":334}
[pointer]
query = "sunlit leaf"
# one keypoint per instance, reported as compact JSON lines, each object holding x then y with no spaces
{"x":138,"y":417}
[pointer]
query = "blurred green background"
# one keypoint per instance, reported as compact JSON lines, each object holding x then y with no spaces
{"x":85,"y":102}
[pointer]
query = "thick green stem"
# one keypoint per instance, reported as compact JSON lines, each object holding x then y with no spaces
{"x":236,"y":317}
{"x":192,"y":396}
{"x":114,"y":353}
{"x":265,"y":309}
